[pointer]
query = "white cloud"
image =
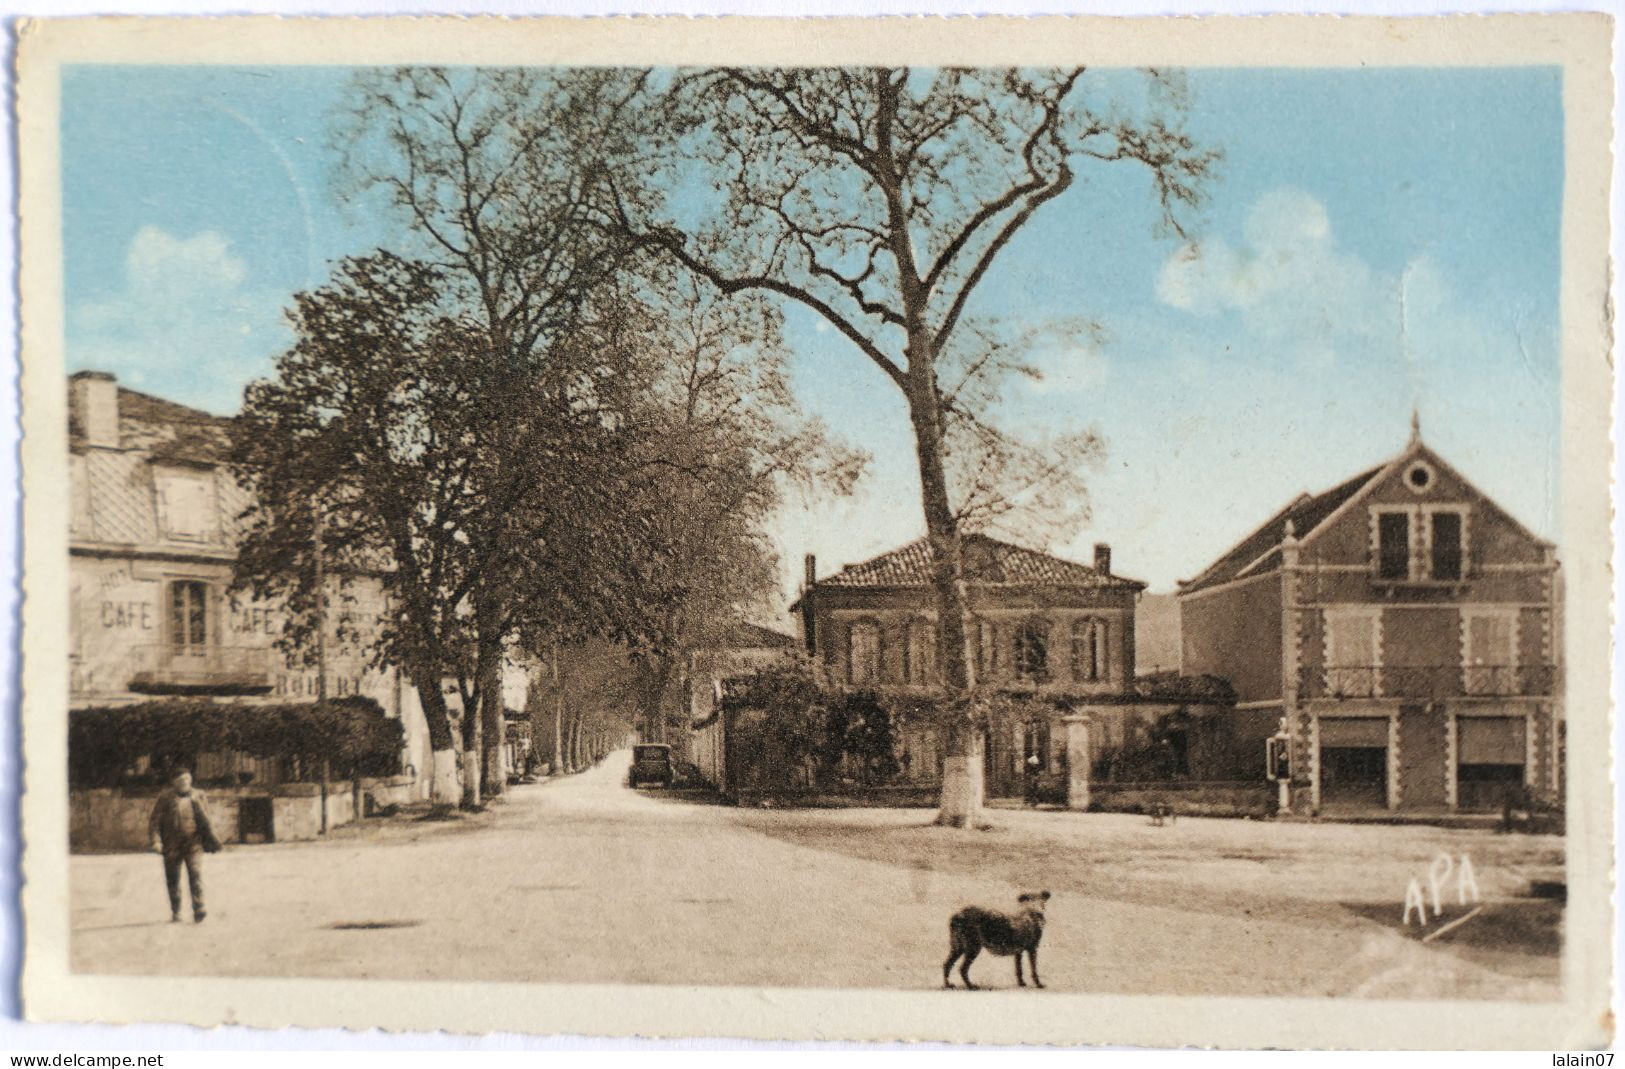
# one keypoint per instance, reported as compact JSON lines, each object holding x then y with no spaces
{"x":1068,"y":356}
{"x":186,"y":322}
{"x":1288,"y":278}
{"x":1289,"y":331}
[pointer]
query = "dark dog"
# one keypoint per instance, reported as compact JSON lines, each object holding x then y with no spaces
{"x":973,"y":930}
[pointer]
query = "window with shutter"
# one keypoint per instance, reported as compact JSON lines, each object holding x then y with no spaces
{"x":1032,"y":649}
{"x":919,"y":652}
{"x":987,"y":650}
{"x":187,"y":508}
{"x":1352,"y":653}
{"x":1393,"y":545}
{"x":1088,"y":650}
{"x":1490,"y":652}
{"x":1445,"y":536}
{"x":863,"y":653}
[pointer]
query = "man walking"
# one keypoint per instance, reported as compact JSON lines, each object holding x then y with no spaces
{"x":181,"y":832}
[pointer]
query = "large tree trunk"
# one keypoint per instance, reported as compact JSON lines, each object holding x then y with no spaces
{"x":472,"y":743}
{"x":555,"y":761}
{"x":443,"y":775}
{"x":493,"y":722}
{"x":494,"y":730}
{"x":961,"y":802}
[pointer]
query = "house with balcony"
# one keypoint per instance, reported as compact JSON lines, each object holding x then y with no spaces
{"x":153,"y":525}
{"x":1402,"y":629}
{"x":1045,"y":628}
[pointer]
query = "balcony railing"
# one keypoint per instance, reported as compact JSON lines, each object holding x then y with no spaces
{"x":1428,"y":682}
{"x":169,"y":669}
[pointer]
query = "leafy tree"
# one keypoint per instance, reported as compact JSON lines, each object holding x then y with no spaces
{"x":485,"y":172}
{"x":781,"y":728}
{"x":497,"y":180}
{"x":860,"y":727}
{"x":483,"y":492}
{"x":881,"y":199}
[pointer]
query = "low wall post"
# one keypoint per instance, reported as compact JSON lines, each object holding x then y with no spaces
{"x":1077,"y":760}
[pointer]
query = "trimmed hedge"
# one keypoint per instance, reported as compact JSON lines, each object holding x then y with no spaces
{"x":352,"y":733}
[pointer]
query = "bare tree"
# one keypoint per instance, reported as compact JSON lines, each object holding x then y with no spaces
{"x":881,"y":199}
{"x":723,"y":437}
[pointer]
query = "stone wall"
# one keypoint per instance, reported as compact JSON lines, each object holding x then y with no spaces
{"x":1185,"y":799}
{"x":110,"y":819}
{"x":907,"y":797}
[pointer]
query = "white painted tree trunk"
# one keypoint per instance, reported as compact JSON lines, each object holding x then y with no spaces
{"x":962,"y":786}
{"x":443,"y":787}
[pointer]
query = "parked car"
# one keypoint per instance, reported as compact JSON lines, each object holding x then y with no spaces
{"x":651,"y":763}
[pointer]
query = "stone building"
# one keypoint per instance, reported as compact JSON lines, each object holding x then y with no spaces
{"x":153,"y":524}
{"x":1044,"y":627}
{"x":1402,"y":628}
{"x":735,"y":652}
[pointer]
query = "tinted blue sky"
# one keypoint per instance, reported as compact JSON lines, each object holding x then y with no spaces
{"x":1272,"y":358}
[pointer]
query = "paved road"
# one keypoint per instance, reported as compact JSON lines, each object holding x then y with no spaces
{"x":581,"y":879}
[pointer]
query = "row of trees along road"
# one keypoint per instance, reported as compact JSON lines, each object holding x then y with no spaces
{"x":488,"y":414}
{"x":552,"y":224}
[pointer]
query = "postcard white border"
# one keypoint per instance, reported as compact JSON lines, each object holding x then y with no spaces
{"x":1580,"y":44}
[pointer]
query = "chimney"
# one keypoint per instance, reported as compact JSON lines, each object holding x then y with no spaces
{"x":95,"y":402}
{"x":1103,"y":558}
{"x":809,"y":619}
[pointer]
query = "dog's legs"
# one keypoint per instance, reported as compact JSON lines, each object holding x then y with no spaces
{"x":947,"y":967}
{"x":964,"y":967}
{"x":1021,"y":981}
{"x":1033,"y":954}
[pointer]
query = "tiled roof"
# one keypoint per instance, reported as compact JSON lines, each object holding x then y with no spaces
{"x":119,"y":498}
{"x":745,"y":636}
{"x":988,"y":561}
{"x":1263,"y":545}
{"x":171,"y":431}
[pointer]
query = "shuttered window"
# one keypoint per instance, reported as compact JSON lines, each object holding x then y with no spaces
{"x":1352,"y":653}
{"x":1032,"y":649}
{"x":863,"y":652}
{"x":1088,"y":650}
{"x":1394,"y":545}
{"x":920,"y":652}
{"x":1489,"y":639}
{"x":187,"y":507}
{"x":988,"y":661}
{"x":1446,"y":545}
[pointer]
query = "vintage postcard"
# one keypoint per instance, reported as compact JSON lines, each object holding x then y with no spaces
{"x":747,"y":528}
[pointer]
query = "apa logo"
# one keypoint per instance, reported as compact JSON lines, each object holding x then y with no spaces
{"x":1438,"y":874}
